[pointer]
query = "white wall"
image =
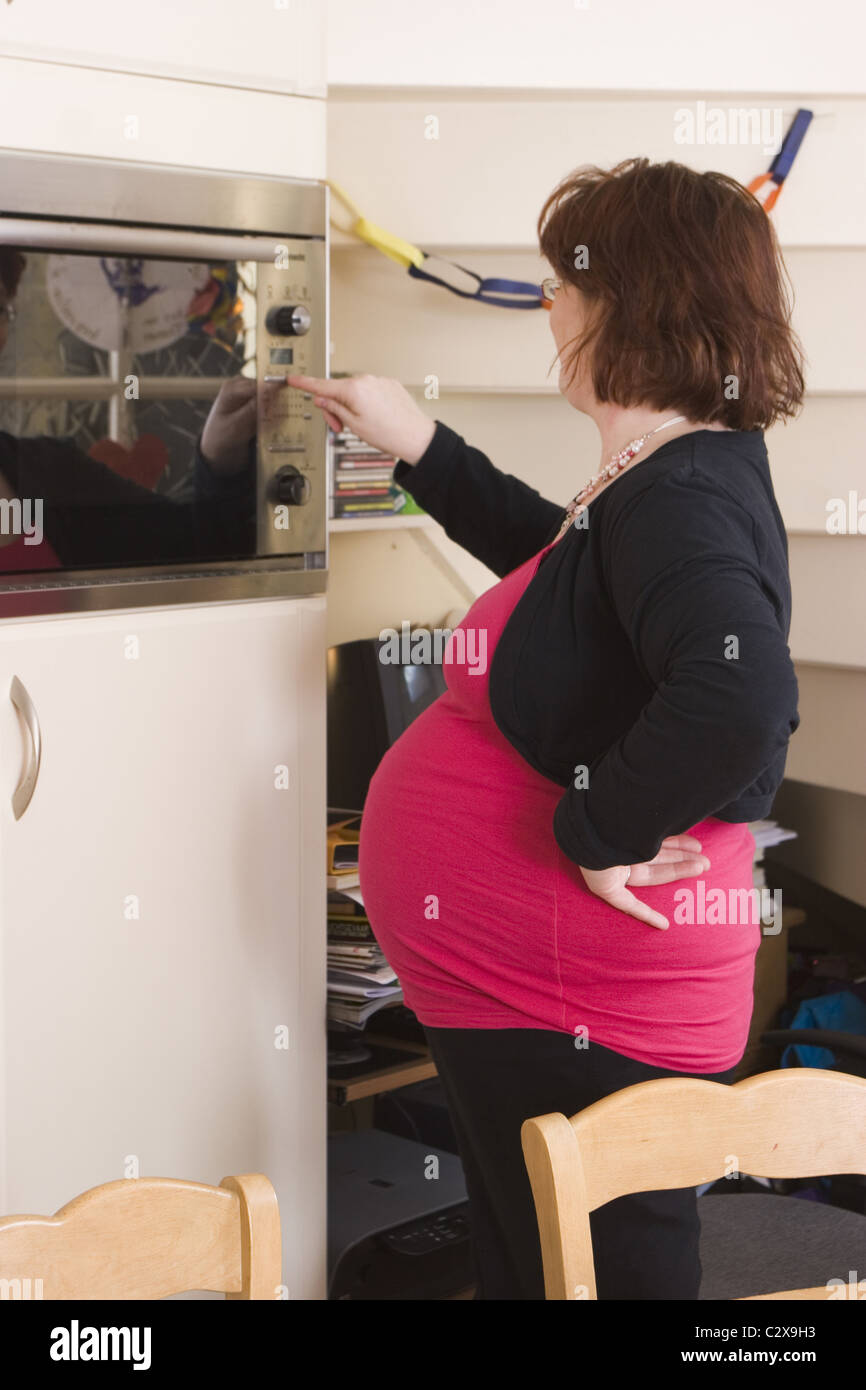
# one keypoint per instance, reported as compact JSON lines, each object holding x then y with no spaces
{"x":599,"y":45}
{"x":483,"y":178}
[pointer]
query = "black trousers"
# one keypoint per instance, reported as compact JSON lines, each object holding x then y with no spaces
{"x":645,"y":1246}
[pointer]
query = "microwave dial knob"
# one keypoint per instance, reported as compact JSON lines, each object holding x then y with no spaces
{"x":291,"y":487}
{"x":288,"y":320}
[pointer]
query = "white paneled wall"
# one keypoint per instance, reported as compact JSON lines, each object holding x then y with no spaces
{"x":597,"y":45}
{"x":474,"y":193}
{"x":483,"y":178}
{"x":477,"y":346}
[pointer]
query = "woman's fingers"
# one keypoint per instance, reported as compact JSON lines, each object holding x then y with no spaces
{"x":340,"y":391}
{"x":642,"y":874}
{"x":337,"y":400}
{"x":239,"y":396}
{"x":670,"y":856}
{"x":610,"y":886}
{"x":319,"y":385}
{"x":674,"y":856}
{"x":624,"y":901}
{"x":378,"y":409}
{"x":235,"y":394}
{"x":681,"y":842}
{"x":331,"y":419}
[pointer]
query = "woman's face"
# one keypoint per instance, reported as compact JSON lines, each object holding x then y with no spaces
{"x":567,"y":320}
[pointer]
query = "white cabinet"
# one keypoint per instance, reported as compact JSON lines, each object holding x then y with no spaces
{"x":274,"y":45}
{"x":162,"y":908}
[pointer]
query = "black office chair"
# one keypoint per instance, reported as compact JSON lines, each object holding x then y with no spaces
{"x":849,"y":1049}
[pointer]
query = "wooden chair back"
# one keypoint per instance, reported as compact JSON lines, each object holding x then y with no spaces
{"x":679,"y":1132}
{"x":147,"y":1238}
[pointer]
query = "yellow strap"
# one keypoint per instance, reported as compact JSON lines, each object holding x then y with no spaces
{"x":403,"y":252}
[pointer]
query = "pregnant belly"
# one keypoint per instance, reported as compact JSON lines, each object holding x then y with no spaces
{"x":461,"y":874}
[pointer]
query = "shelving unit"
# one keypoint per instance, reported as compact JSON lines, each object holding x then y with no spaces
{"x":380,"y":523}
{"x":426,"y":533}
{"x":418,"y":1066}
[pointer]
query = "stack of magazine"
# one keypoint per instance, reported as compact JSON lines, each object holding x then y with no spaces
{"x":360,"y":980}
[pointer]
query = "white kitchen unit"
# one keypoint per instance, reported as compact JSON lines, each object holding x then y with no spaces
{"x":162,"y":665}
{"x":204,"y":84}
{"x":275,"y":45}
{"x":162,"y":907}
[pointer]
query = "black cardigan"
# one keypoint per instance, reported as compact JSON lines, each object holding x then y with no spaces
{"x":650,"y":647}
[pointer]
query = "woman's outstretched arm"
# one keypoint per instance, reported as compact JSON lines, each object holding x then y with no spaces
{"x":496,"y":517}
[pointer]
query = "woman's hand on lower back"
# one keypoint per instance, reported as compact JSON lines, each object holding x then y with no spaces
{"x":378,"y":409}
{"x":679,"y":857}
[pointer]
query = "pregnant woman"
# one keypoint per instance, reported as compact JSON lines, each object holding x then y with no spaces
{"x":541,"y":848}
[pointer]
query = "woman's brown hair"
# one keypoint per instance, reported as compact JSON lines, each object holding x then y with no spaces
{"x":688,"y":300}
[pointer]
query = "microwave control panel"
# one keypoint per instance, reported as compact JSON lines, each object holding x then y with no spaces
{"x":291,"y":337}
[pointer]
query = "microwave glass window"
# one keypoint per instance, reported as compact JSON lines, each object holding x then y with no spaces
{"x":107,"y":374}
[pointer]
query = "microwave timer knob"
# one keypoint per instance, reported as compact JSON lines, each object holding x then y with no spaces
{"x":288,"y":320}
{"x":291,"y":487}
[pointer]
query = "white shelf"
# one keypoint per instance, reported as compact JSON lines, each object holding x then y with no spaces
{"x":379,"y":523}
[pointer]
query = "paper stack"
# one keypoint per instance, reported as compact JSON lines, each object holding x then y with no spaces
{"x":360,"y":980}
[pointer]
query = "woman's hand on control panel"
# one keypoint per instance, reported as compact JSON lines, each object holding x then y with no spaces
{"x":377,"y":409}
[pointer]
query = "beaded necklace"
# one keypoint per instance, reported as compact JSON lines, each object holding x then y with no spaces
{"x":614,"y":466}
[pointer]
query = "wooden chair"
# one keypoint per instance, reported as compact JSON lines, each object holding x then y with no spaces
{"x":147,"y":1238}
{"x":677,"y":1132}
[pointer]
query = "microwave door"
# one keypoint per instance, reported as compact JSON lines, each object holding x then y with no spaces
{"x":124,"y":339}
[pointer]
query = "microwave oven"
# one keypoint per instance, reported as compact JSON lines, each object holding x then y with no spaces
{"x":138,"y":303}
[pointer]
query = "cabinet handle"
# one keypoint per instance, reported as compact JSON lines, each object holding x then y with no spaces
{"x":26,"y":708}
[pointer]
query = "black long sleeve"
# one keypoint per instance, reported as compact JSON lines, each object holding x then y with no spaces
{"x":682,"y":565}
{"x":496,"y":517}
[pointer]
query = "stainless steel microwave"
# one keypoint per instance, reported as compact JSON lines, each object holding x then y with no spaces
{"x":144,"y":308}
